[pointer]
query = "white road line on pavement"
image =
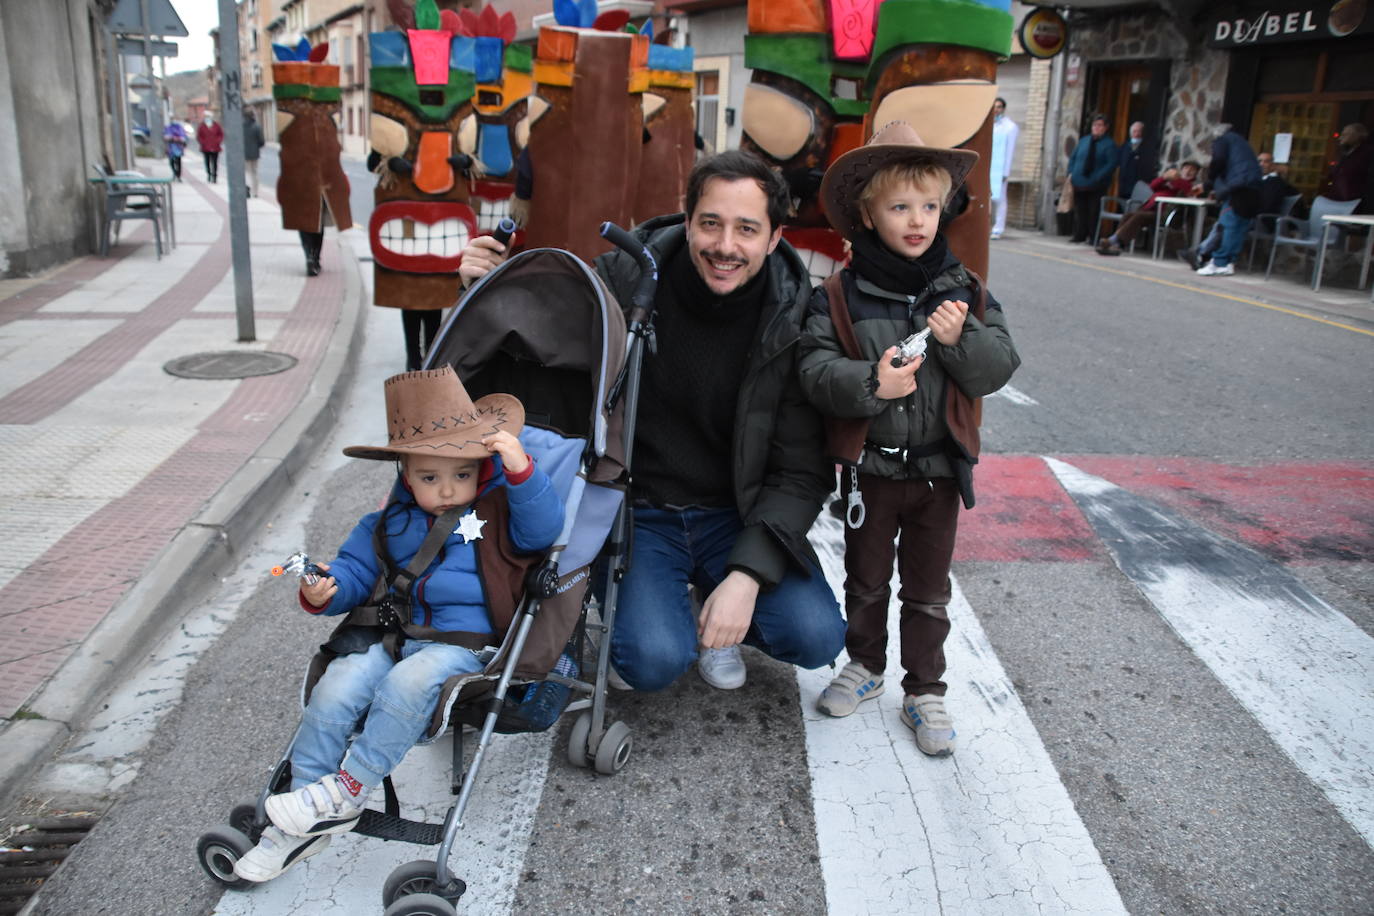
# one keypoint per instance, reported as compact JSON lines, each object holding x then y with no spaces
{"x":1301,"y":668}
{"x":990,"y":830}
{"x":1016,"y":396}
{"x":488,"y":854}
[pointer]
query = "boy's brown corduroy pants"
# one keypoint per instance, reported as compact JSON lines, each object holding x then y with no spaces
{"x":925,"y":514}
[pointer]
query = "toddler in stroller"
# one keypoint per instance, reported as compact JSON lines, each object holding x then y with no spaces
{"x":469,"y":514}
{"x":541,"y":330}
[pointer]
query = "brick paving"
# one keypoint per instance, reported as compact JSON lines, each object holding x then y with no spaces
{"x":104,"y":529}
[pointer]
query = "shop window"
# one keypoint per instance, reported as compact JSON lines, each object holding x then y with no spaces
{"x":1286,"y":75}
{"x":1311,"y":124}
{"x":1349,"y":71}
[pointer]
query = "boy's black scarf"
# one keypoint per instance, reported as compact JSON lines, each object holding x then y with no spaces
{"x":875,"y":263}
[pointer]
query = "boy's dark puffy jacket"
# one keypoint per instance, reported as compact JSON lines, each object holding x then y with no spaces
{"x":781,"y":474}
{"x":980,"y":363}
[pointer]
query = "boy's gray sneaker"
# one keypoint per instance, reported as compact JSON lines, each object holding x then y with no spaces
{"x":851,"y":686}
{"x":926,"y":716}
{"x":723,"y":669}
{"x":275,"y":853}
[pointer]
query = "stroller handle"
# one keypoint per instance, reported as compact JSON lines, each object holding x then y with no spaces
{"x":641,"y":302}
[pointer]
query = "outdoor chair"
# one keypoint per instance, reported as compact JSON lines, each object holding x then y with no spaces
{"x":125,"y":200}
{"x":1306,"y":234}
{"x":1263,"y":229}
{"x":1125,"y":206}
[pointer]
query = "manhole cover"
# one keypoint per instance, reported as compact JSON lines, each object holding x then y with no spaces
{"x":230,"y":364}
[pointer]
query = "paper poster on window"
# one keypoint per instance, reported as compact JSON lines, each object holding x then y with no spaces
{"x":1283,"y":147}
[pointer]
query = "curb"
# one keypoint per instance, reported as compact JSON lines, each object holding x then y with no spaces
{"x":195,"y":557}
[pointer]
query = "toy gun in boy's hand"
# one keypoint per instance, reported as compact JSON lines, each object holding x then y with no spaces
{"x":911,"y":348}
{"x":300,"y":564}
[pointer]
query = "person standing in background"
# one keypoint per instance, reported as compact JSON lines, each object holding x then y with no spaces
{"x":1352,"y":177}
{"x":174,"y":138}
{"x":210,"y":139}
{"x":1004,"y":134}
{"x":1138,"y":161}
{"x":1090,"y":173}
{"x":252,"y":148}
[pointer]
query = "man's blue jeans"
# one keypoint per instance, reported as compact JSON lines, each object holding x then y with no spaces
{"x":1233,"y":231}
{"x":655,"y":637}
{"x":398,"y":698}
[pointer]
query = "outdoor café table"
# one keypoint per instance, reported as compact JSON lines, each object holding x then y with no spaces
{"x":162,"y":187}
{"x":1335,"y":220}
{"x":1199,"y":204}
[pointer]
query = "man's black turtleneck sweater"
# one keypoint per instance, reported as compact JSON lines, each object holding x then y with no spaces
{"x":689,"y":390}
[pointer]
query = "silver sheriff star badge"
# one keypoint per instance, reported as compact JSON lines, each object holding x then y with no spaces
{"x":470,"y":526}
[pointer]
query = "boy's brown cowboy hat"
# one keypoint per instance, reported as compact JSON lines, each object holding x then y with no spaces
{"x":429,"y":413}
{"x":897,"y":142}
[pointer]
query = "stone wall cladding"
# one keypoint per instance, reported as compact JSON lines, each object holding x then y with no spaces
{"x":1197,"y":80}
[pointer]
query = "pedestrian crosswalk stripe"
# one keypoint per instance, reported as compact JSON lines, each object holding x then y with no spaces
{"x":989,"y":830}
{"x":1299,"y":666}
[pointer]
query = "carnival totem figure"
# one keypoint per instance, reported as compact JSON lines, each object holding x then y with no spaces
{"x":422,"y":88}
{"x":495,"y":134}
{"x":828,"y":73}
{"x":669,"y":130}
{"x":312,"y":185}
{"x":586,"y":128}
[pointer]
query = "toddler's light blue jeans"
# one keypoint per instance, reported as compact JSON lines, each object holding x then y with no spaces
{"x":397,"y":697}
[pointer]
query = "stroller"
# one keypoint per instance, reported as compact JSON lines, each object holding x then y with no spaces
{"x":541,"y":326}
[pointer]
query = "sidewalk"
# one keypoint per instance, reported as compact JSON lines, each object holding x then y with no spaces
{"x":1288,"y":288}
{"x":127,"y":489}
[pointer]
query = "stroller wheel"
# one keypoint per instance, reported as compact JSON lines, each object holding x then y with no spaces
{"x":219,"y":850}
{"x":421,"y":905}
{"x":614,"y":749}
{"x":416,"y":879}
{"x":241,"y":819}
{"x":577,"y":741}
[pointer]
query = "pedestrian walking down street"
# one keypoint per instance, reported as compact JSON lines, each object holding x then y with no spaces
{"x":1090,"y":173}
{"x":210,"y":139}
{"x":174,"y":138}
{"x":252,"y":149}
{"x":910,"y":424}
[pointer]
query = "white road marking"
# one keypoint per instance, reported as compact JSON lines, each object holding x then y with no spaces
{"x":489,"y":853}
{"x":1016,"y":396}
{"x":990,"y":830}
{"x":1300,"y":667}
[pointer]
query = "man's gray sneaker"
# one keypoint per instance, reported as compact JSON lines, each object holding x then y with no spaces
{"x":926,"y":716}
{"x":723,"y":669}
{"x":851,"y":686}
{"x":275,"y":853}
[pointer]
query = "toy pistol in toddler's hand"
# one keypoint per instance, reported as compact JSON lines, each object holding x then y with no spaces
{"x":910,"y":349}
{"x":300,"y":564}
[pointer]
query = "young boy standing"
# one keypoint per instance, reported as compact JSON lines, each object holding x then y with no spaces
{"x":887,"y":199}
{"x":457,"y":461}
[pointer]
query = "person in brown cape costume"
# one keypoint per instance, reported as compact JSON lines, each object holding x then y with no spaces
{"x":312,"y":182}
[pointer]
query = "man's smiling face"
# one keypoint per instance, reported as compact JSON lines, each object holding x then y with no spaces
{"x":729,"y":235}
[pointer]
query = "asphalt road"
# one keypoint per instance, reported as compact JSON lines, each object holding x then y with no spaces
{"x":1242,"y":427}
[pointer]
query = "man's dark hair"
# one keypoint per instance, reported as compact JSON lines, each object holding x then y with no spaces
{"x":736,"y":165}
{"x":1002,"y":100}
{"x":1099,"y":116}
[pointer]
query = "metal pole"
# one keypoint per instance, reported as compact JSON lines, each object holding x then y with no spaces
{"x":154,"y":97}
{"x":231,"y":118}
{"x":1049,"y":150}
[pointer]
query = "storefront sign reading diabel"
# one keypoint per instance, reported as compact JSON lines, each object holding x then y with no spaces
{"x":1339,"y":19}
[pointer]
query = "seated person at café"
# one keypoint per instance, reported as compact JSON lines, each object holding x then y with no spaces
{"x":1179,"y":182}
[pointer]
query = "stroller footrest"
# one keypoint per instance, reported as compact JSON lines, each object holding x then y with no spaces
{"x":390,"y":827}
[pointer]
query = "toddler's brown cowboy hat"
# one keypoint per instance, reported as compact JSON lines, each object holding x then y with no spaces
{"x":429,"y":413}
{"x":896,"y":142}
